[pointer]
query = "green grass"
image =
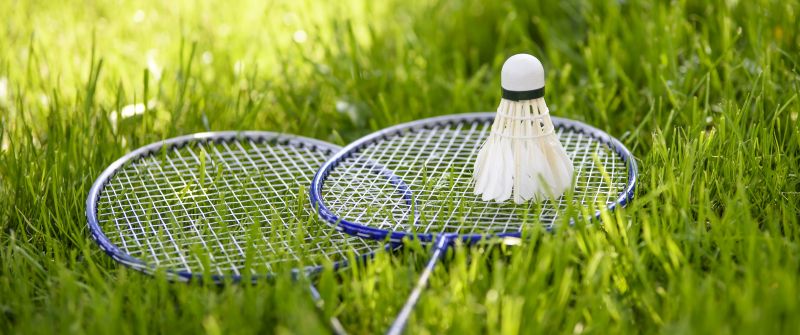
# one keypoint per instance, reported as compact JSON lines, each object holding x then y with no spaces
{"x":704,"y":93}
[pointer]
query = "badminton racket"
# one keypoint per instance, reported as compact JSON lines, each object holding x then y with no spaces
{"x":221,"y":206}
{"x":415,"y":181}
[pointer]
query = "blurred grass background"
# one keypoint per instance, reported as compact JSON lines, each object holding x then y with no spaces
{"x":705,"y":93}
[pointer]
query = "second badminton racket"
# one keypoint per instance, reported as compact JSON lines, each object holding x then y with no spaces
{"x":219,"y":206}
{"x":415,"y":181}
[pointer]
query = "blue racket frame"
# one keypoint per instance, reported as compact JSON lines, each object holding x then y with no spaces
{"x":443,"y":241}
{"x":113,"y":251}
{"x":355,"y":228}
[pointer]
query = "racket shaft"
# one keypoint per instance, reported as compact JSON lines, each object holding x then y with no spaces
{"x":334,"y":323}
{"x":402,"y":318}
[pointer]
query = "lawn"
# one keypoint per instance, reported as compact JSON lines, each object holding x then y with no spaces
{"x":704,"y":93}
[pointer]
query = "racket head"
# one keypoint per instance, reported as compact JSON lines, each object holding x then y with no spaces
{"x":256,"y":175}
{"x":377,"y":162}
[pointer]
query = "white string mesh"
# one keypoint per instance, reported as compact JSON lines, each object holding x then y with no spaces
{"x":222,"y":208}
{"x":436,"y":164}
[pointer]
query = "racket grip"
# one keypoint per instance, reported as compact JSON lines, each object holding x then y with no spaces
{"x":400,"y":321}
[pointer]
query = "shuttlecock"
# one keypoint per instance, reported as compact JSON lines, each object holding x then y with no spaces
{"x":522,"y":155}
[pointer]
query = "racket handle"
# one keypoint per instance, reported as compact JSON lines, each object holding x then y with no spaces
{"x":402,"y":318}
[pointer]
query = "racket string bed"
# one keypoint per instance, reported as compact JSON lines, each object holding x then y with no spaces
{"x":446,"y":151}
{"x":230,"y":156}
{"x":214,"y":205}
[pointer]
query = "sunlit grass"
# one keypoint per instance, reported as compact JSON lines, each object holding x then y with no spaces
{"x":704,"y":93}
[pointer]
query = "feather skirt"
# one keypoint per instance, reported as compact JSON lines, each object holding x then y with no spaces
{"x":522,"y":157}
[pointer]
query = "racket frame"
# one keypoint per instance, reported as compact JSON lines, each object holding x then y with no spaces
{"x":113,"y":251}
{"x":354,"y":228}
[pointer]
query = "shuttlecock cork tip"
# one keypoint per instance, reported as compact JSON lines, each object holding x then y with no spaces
{"x":522,"y":78}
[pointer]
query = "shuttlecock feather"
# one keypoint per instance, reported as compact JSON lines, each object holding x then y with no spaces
{"x":522,"y":157}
